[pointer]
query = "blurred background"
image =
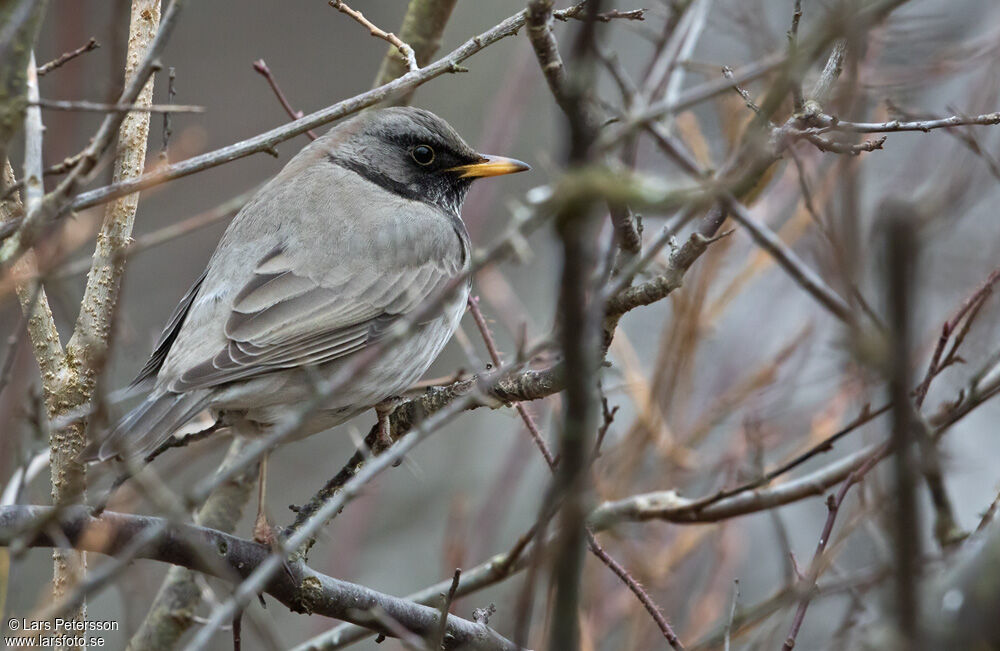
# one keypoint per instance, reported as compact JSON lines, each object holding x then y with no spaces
{"x":738,"y":371}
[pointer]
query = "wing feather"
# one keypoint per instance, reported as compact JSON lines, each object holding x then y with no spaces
{"x":284,"y":319}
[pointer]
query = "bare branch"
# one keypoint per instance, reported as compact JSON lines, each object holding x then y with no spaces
{"x":59,"y":199}
{"x":828,"y":124}
{"x":423,"y":27}
{"x":83,"y":105}
{"x":265,"y":142}
{"x":808,"y":582}
{"x":261,"y":67}
{"x":171,"y":613}
{"x":19,"y":24}
{"x":306,"y":591}
{"x":389,"y":37}
{"x":66,"y":57}
{"x":790,"y":262}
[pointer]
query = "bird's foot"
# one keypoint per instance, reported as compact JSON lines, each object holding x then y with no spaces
{"x":266,"y":534}
{"x":383,"y":410}
{"x":263,"y":532}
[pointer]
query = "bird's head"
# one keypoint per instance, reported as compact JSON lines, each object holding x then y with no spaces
{"x":416,"y":154}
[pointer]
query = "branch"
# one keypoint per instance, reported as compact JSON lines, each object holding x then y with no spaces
{"x":20,"y":21}
{"x":261,"y":67}
{"x":265,"y":572}
{"x":389,"y":37}
{"x":828,"y":124}
{"x":580,"y":311}
{"x":422,"y":28}
{"x":265,"y":142}
{"x":302,"y":591}
{"x":40,"y":323}
{"x":93,"y":324}
{"x":83,"y":105}
{"x":58,"y":201}
{"x":669,"y":506}
{"x":172,"y":612}
{"x":809,"y":586}
{"x":66,"y":57}
{"x":576,"y":12}
{"x":34,"y":188}
{"x":790,"y":262}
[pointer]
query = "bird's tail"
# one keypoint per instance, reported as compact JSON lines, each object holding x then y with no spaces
{"x":144,"y":428}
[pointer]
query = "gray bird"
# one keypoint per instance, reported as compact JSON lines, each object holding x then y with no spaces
{"x":356,"y":231}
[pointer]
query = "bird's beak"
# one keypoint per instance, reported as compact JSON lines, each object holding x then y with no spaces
{"x":489,"y":166}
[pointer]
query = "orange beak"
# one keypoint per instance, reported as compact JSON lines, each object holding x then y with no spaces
{"x":490,"y":166}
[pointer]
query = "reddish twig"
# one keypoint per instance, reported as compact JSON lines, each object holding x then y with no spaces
{"x":833,"y":504}
{"x":262,"y":68}
{"x":637,"y":590}
{"x":971,"y":304}
{"x":592,"y":543}
{"x":491,"y":348}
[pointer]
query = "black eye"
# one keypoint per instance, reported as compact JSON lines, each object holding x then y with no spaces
{"x":423,"y":154}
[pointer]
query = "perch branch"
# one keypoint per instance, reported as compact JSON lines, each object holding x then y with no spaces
{"x":305,"y":590}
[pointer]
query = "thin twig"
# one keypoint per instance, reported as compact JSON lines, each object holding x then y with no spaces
{"x":791,"y":263}
{"x":491,"y":348}
{"x":732,"y":614}
{"x":389,"y":37}
{"x":827,"y":124}
{"x":576,"y":12}
{"x":171,"y":93}
{"x":99,"y":107}
{"x":727,"y":72}
{"x":261,"y":67}
{"x":66,"y":57}
{"x":637,"y":589}
{"x":59,"y":200}
{"x":446,"y":602}
{"x":833,"y":504}
{"x":793,"y":45}
{"x":266,"y":142}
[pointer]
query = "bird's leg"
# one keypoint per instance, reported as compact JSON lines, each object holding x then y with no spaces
{"x":262,"y":531}
{"x":383,"y":411}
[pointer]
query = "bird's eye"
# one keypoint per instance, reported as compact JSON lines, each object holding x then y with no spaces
{"x":423,"y":154}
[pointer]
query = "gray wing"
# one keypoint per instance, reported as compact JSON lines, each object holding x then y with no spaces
{"x":283,"y":318}
{"x":169,"y":334}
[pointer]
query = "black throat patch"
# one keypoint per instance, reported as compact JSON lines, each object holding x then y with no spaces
{"x":445,"y":196}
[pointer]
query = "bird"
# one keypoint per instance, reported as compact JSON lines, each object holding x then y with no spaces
{"x":354,"y":234}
